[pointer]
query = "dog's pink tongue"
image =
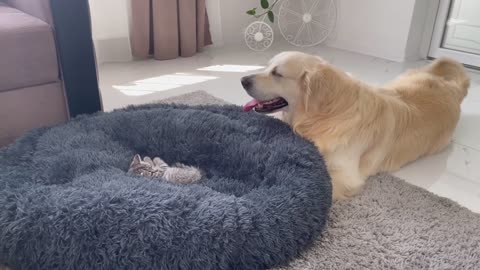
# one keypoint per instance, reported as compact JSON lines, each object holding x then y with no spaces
{"x":250,"y":105}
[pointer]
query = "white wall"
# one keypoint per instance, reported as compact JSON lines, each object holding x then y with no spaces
{"x":390,"y":29}
{"x":421,"y":29}
{"x":235,"y":20}
{"x":110,"y":29}
{"x":374,"y":27}
{"x":215,"y":19}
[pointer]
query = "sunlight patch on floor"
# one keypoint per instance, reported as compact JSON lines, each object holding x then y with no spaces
{"x":231,"y":68}
{"x":161,"y":83}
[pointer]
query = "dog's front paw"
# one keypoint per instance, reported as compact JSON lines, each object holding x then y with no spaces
{"x":345,"y":187}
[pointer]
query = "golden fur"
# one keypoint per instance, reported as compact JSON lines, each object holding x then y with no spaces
{"x":361,"y":129}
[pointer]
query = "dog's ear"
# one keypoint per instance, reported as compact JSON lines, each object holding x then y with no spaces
{"x":305,"y":82}
{"x":305,"y":90}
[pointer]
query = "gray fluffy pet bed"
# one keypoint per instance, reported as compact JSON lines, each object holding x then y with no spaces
{"x":66,"y":201}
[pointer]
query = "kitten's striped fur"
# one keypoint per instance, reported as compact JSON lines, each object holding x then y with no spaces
{"x":157,"y":168}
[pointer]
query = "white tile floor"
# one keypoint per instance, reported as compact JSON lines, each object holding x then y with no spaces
{"x":454,"y":173}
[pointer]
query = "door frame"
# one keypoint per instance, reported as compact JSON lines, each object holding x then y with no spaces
{"x":436,"y":49}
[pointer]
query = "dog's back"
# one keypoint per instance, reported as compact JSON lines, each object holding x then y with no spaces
{"x":452,"y":72}
{"x":428,"y":111}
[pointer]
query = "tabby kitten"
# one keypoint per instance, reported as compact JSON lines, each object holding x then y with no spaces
{"x":157,"y":168}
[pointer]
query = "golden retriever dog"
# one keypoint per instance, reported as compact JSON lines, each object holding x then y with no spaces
{"x":361,"y":129}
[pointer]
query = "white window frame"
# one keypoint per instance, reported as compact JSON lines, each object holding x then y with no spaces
{"x":436,"y":49}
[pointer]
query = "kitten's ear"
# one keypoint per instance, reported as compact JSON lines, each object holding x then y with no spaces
{"x":136,"y":160}
{"x":148,"y":161}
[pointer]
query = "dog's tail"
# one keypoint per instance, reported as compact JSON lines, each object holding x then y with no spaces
{"x":452,"y":71}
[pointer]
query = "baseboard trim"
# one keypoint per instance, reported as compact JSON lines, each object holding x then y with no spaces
{"x":112,"y":50}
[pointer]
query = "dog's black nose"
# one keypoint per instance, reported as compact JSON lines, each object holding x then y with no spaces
{"x":246,"y":82}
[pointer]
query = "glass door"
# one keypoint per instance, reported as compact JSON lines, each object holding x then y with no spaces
{"x":457,"y":31}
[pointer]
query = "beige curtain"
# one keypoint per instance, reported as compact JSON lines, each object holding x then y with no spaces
{"x":168,"y":29}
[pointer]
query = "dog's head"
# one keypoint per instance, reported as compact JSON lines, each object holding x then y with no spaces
{"x":284,"y":83}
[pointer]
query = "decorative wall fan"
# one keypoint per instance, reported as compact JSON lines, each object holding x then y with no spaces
{"x":303,"y":23}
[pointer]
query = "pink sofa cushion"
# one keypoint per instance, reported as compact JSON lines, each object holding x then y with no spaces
{"x":37,"y":8}
{"x":31,"y":107}
{"x":27,"y":50}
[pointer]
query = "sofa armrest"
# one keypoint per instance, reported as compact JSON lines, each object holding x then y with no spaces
{"x":37,"y":8}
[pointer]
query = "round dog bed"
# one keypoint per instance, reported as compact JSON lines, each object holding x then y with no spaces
{"x":66,"y":201}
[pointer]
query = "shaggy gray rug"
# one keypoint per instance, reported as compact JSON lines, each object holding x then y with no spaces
{"x":390,"y":225}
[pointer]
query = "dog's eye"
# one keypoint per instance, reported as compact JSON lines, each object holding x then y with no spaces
{"x":275,"y":73}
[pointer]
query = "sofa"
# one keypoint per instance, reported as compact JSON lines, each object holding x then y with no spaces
{"x":31,"y":90}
